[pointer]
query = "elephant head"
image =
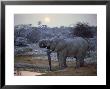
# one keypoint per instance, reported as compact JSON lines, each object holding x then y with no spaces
{"x":44,"y":43}
{"x":48,"y":43}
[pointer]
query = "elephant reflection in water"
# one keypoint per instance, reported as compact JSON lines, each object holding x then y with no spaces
{"x":70,"y":47}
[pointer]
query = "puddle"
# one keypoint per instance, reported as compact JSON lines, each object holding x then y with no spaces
{"x":26,"y":73}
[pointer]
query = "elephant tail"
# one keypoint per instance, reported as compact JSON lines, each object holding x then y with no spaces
{"x":88,"y":49}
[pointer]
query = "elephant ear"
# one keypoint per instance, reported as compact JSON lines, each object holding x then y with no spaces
{"x":52,"y":45}
{"x":60,"y":45}
{"x":57,"y":45}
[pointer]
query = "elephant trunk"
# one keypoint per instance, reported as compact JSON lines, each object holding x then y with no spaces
{"x":49,"y":58}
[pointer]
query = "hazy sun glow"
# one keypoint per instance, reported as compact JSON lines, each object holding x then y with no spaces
{"x":47,"y":19}
{"x":55,"y":20}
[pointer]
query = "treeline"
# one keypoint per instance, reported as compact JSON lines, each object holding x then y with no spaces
{"x":26,"y":34}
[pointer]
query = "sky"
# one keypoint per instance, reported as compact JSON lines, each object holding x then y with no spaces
{"x":55,"y":20}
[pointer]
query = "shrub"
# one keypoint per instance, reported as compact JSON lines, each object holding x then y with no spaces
{"x":83,"y":30}
{"x":20,"y":41}
{"x":33,"y":36}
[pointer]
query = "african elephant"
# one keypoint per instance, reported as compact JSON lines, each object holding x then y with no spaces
{"x":70,"y":47}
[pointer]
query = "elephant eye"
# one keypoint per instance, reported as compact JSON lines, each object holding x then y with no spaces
{"x":48,"y":47}
{"x":42,"y":44}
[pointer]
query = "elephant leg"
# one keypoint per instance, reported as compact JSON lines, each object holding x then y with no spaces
{"x":49,"y":58}
{"x":82,"y":59}
{"x":79,"y":62}
{"x":65,"y":62}
{"x":82,"y":62}
{"x":62,"y":61}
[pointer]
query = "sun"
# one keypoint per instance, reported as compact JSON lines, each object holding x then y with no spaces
{"x":47,"y":19}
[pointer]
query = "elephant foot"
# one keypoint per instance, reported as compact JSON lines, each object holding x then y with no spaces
{"x":79,"y":65}
{"x":50,"y":69}
{"x":82,"y":64}
{"x":63,"y":67}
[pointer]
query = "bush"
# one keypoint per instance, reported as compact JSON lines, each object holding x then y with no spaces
{"x":21,"y":50}
{"x":83,"y":30}
{"x":20,"y":41}
{"x":33,"y":36}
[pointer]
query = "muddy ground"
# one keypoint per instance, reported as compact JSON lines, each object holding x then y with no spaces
{"x":89,"y":69}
